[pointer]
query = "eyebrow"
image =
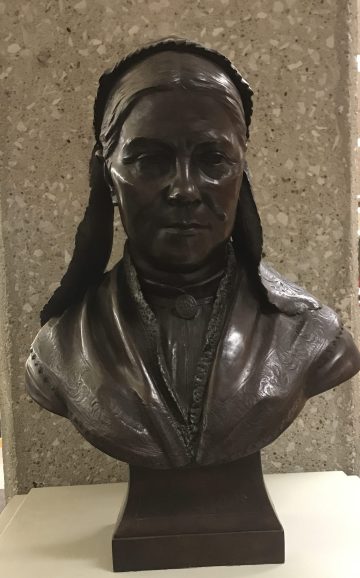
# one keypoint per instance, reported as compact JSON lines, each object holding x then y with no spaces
{"x":138,"y":142}
{"x":207,"y":138}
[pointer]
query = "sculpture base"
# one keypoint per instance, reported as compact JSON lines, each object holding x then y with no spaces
{"x":209,"y":516}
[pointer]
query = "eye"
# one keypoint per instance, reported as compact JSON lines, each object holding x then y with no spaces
{"x":215,"y":164}
{"x":212,"y":158}
{"x":150,"y":165}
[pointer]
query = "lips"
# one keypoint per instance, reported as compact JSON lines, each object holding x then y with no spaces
{"x":185,"y":228}
{"x":187,"y":225}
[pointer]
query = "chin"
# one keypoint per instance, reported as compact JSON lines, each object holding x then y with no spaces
{"x":180,"y":261}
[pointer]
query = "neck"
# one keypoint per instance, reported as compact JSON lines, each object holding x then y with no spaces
{"x":179,"y":279}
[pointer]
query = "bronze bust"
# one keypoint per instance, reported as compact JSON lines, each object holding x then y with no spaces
{"x":191,"y":352}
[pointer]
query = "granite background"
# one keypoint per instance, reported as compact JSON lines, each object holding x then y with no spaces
{"x":299,"y":58}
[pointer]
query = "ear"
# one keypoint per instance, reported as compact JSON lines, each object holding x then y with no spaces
{"x":107,"y":177}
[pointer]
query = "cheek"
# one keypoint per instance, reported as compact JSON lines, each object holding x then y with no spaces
{"x":223,"y":194}
{"x":128,"y":202}
{"x":133,"y":191}
{"x":136,"y":209}
{"x":223,"y":198}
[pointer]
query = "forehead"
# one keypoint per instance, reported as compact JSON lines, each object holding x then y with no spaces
{"x":173,"y":113}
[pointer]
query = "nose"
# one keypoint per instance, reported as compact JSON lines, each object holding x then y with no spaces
{"x":183,"y":189}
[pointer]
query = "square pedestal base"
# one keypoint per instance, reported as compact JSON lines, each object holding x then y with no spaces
{"x":210,"y":516}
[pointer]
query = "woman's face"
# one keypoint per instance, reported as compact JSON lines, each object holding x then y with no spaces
{"x":177,"y":171}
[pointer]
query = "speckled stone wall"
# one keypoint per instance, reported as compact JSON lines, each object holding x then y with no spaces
{"x":299,"y":58}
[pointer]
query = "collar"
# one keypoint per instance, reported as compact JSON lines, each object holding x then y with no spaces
{"x":189,"y":424}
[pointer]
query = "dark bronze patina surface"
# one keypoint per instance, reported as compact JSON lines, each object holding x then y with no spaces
{"x":208,"y":516}
{"x":191,"y":354}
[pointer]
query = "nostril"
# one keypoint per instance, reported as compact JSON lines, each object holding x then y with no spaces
{"x":183,"y":195}
{"x":176,"y":195}
{"x":183,"y":199}
{"x":173,"y":196}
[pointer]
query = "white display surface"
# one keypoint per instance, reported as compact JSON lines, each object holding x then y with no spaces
{"x":65,"y":532}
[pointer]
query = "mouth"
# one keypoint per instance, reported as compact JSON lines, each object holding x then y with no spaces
{"x":186,"y":227}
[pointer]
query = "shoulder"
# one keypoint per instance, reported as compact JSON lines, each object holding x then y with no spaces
{"x":41,"y":381}
{"x":285,"y":295}
{"x":333,"y":355}
{"x":337,"y":363}
{"x":317,"y":320}
{"x":59,"y":344}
